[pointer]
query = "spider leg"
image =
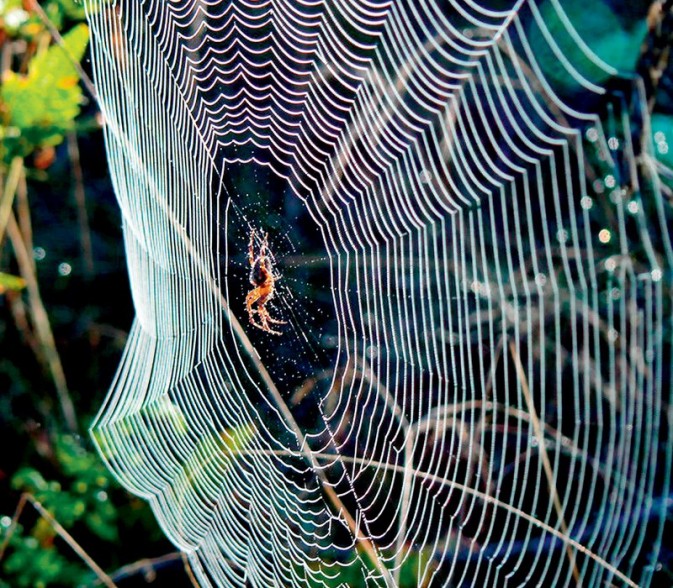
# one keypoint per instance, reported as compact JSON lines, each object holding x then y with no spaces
{"x":264,"y":247}
{"x":275,"y":321}
{"x":251,"y":248}
{"x":266,"y":319}
{"x":254,"y":323}
{"x":260,"y":297}
{"x":252,"y":297}
{"x":262,"y":327}
{"x":261,"y":305}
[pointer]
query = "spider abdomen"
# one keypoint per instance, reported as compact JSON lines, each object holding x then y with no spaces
{"x":259,"y":272}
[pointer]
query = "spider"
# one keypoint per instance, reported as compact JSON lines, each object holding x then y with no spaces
{"x":263,"y":278}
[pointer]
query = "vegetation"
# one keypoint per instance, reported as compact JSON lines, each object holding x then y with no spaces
{"x":63,"y":518}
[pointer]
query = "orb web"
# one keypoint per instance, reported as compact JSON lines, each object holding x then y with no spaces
{"x":472,"y":255}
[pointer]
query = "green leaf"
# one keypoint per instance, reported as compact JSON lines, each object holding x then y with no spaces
{"x":42,"y":105}
{"x":29,"y":479}
{"x":56,"y":63}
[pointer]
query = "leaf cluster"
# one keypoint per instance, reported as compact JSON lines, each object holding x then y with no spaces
{"x":40,"y":97}
{"x":77,"y":498}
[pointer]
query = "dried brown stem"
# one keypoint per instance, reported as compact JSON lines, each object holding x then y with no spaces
{"x":80,"y":199}
{"x":9,"y":192}
{"x":70,"y":540}
{"x":12,"y":527}
{"x":23,"y":213}
{"x":41,"y":322}
{"x":147,"y":567}
{"x":188,"y":570}
{"x":546,"y":464}
{"x":484,"y":497}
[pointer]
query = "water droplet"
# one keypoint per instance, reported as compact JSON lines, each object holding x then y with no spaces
{"x":604,"y":236}
{"x":39,"y":253}
{"x":64,"y":269}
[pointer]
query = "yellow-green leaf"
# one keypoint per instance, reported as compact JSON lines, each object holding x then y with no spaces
{"x":43,"y":104}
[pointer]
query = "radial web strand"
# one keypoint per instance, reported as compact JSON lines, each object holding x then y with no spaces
{"x":461,"y":374}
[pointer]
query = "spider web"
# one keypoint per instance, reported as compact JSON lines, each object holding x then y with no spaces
{"x":474,"y":257}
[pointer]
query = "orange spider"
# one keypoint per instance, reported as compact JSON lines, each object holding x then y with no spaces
{"x":263,"y":279}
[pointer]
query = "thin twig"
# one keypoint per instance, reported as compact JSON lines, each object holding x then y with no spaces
{"x":188,"y":570}
{"x":9,"y":192}
{"x":364,"y":542}
{"x":70,"y":540}
{"x":146,"y":566}
{"x":60,"y":531}
{"x":23,"y":213}
{"x":41,"y":322}
{"x":486,"y":498}
{"x":367,"y":374}
{"x":80,"y":199}
{"x":546,"y":464}
{"x":18,"y":309}
{"x":12,"y":527}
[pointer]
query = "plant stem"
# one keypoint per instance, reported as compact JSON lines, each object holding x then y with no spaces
{"x":546,"y":464}
{"x":41,"y":322}
{"x":11,"y":185}
{"x":70,"y":540}
{"x":80,"y":199}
